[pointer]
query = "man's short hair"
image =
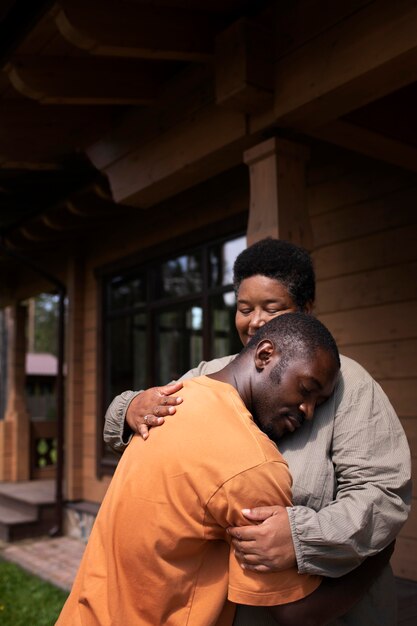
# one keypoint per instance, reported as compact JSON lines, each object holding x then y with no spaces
{"x":296,"y":335}
{"x":280,"y":260}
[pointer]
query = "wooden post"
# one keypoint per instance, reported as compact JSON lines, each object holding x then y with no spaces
{"x":16,"y":428}
{"x":278,"y":206}
{"x":75,"y":381}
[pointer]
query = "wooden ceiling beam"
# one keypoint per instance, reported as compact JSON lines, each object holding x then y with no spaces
{"x":367,"y":142}
{"x":37,"y":231}
{"x":17,"y":241}
{"x":29,"y":166}
{"x":60,"y":219}
{"x":117,"y":28}
{"x":244,"y":67}
{"x":94,"y":207}
{"x":369,"y":54}
{"x":30,"y":132}
{"x":182,"y":156}
{"x":85,"y":80}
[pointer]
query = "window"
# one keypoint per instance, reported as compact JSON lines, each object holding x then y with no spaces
{"x":163,"y":318}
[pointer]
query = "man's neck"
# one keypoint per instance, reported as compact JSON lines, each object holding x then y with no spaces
{"x":237,"y":375}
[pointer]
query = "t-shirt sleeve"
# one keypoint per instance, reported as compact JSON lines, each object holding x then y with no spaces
{"x":268,"y":483}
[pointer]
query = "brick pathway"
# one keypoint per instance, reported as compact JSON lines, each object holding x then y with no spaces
{"x":55,"y":560}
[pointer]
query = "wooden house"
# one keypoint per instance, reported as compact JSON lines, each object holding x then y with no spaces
{"x":140,"y":142}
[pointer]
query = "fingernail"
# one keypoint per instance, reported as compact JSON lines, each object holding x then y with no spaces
{"x":179,"y":400}
{"x":171,"y":410}
{"x":245,"y":511}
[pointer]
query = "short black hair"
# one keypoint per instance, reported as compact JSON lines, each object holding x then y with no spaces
{"x":280,"y":260}
{"x":296,"y":335}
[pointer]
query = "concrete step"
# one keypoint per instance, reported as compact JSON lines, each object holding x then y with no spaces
{"x":12,"y":523}
{"x":27,"y":509}
{"x":20,"y":506}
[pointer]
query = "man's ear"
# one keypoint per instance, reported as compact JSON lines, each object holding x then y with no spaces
{"x":263,"y":353}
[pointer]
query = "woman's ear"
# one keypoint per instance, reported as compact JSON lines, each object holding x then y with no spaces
{"x":263,"y":353}
{"x":308,"y":307}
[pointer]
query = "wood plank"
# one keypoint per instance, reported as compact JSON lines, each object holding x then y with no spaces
{"x":31,"y":132}
{"x":31,"y":166}
{"x":358,"y":185}
{"x":410,"y":427}
{"x":70,"y":80}
{"x":367,"y":253}
{"x":354,"y":221}
{"x":367,"y":55}
{"x":181,"y":157}
{"x":368,"y":142}
{"x":329,"y":163}
{"x":127,"y":29}
{"x":38,"y":231}
{"x":182,"y":98}
{"x":297,"y":23}
{"x":244,"y":67}
{"x":388,"y":359}
{"x":373,"y":287}
{"x":387,"y":322}
{"x":409,"y":530}
{"x":404,"y":558}
{"x":403,"y":395}
{"x":62,"y":218}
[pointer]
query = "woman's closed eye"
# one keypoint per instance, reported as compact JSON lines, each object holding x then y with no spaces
{"x":245,"y":311}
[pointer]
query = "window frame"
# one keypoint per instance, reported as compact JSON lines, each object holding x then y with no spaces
{"x":144,"y":261}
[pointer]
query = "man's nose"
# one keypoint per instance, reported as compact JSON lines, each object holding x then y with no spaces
{"x":308,"y":409}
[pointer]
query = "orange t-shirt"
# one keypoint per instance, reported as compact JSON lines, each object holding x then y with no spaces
{"x":158,"y":553}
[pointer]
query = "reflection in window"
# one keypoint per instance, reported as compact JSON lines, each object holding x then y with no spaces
{"x":179,"y":343}
{"x":180,"y":276}
{"x":221,"y":259}
{"x":224,"y":338}
{"x":125,"y":292}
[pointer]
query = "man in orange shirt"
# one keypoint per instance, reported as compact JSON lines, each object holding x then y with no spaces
{"x":159,"y":552}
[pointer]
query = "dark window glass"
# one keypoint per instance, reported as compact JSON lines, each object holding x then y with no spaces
{"x":164,"y":317}
{"x":126,"y":292}
{"x":179,"y":342}
{"x":180,"y":276}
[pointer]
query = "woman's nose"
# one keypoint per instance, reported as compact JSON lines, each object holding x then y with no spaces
{"x":257,"y":320}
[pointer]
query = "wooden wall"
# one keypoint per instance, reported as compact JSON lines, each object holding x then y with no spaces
{"x":364,"y":219}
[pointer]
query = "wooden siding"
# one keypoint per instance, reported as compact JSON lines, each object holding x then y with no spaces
{"x":364,"y":219}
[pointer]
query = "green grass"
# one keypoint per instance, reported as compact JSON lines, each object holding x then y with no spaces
{"x":26,"y":600}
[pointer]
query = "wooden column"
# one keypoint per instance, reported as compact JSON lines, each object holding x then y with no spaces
{"x":15,"y":461}
{"x":278,"y":206}
{"x":74,"y":382}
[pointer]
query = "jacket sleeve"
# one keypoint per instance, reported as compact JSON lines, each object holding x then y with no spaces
{"x":372,"y":465}
{"x":114,"y":421}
